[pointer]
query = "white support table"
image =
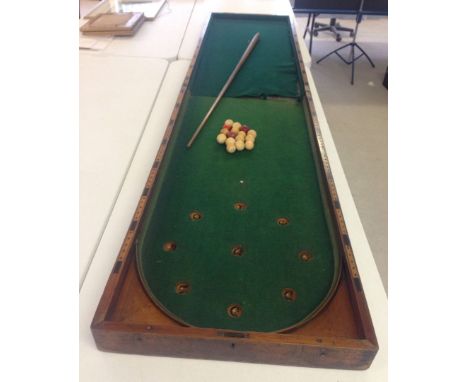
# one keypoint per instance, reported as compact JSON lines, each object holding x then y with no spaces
{"x":159,"y":38}
{"x":116,"y":96}
{"x":101,"y":366}
{"x":96,"y":365}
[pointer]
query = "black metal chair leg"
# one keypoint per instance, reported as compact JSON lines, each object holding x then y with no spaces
{"x":343,"y":29}
{"x":311,"y":34}
{"x":323,"y":29}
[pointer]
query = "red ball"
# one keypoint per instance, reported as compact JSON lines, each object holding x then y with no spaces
{"x":231,"y":134}
{"x":227,"y":127}
{"x":244,"y":128}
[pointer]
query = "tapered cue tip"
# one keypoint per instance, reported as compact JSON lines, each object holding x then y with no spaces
{"x":244,"y":57}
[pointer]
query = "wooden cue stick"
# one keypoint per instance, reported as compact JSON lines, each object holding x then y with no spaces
{"x":244,"y":57}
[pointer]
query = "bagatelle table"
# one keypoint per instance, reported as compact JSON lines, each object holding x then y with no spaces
{"x":240,"y":256}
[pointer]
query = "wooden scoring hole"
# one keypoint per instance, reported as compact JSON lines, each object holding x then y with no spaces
{"x":289,"y":294}
{"x":239,"y":206}
{"x":305,"y":256}
{"x":196,"y":215}
{"x":237,"y":250}
{"x":169,"y":246}
{"x":234,"y":310}
{"x":282,"y":221}
{"x":182,"y":287}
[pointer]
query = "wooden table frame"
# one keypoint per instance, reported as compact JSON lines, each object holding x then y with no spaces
{"x":290,"y":348}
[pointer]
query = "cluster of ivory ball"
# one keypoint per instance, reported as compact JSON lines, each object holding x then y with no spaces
{"x":236,"y":136}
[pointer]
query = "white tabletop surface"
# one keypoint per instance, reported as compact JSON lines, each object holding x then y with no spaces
{"x":100,"y":366}
{"x":175,"y":32}
{"x":116,"y":96}
{"x":160,"y":38}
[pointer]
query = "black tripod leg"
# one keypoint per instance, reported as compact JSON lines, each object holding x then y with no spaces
{"x":352,"y":64}
{"x":324,"y":57}
{"x":307,"y":26}
{"x":365,"y":54}
{"x":334,"y":51}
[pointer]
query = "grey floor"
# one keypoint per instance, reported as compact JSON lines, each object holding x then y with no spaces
{"x":358,"y":115}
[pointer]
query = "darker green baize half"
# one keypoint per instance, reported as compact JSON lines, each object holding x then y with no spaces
{"x":270,"y":69}
{"x":277,"y":179}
